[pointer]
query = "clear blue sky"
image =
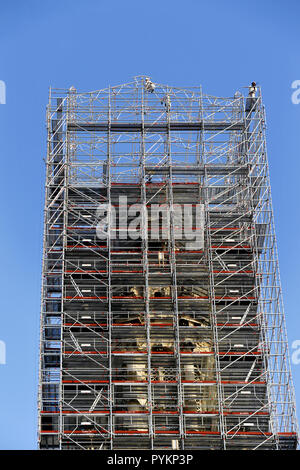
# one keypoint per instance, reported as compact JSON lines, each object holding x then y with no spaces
{"x":93,"y":43}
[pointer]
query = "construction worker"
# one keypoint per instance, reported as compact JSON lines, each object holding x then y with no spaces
{"x":252,"y":90}
{"x":166,"y":101}
{"x":149,"y":86}
{"x":251,"y":100}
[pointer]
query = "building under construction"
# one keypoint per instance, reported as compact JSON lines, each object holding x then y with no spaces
{"x":151,"y":339}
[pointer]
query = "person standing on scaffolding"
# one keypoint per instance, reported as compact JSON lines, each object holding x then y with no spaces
{"x":166,"y":100}
{"x":251,"y":100}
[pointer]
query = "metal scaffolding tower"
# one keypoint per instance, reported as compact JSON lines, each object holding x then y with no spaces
{"x":153,"y":342}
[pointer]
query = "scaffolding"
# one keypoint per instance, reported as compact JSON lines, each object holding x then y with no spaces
{"x":153,"y":342}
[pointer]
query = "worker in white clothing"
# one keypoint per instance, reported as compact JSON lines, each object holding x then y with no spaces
{"x":251,"y":100}
{"x":149,"y":86}
{"x":252,"y":90}
{"x":166,"y":100}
